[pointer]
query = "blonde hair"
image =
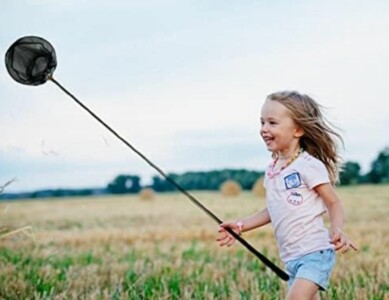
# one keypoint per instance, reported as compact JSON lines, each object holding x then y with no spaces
{"x":319,"y":138}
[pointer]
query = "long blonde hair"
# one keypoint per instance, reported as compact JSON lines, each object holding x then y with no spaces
{"x":319,"y":138}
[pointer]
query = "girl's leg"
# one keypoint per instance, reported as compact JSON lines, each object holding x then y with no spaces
{"x":303,"y":289}
{"x":317,"y":296}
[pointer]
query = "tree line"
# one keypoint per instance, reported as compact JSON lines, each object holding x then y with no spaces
{"x":211,"y":180}
{"x":200,"y":181}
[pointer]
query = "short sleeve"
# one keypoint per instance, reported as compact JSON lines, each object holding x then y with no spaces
{"x":315,"y":173}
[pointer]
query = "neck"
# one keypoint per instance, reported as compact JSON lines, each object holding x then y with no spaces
{"x":289,"y":154}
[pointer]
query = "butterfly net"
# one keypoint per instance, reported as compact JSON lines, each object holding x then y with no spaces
{"x":31,"y":60}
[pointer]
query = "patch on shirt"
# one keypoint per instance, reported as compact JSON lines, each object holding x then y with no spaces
{"x":292,"y":181}
{"x":295,"y":198}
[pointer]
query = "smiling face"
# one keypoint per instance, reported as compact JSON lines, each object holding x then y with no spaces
{"x":280,"y":133}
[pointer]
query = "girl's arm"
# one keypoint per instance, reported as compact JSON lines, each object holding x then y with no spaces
{"x":336,"y":213}
{"x":259,"y":219}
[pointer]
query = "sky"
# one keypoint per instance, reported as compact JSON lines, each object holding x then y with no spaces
{"x":184,"y":82}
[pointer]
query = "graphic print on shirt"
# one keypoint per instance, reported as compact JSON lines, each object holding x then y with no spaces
{"x":295,"y":198}
{"x":292,"y":181}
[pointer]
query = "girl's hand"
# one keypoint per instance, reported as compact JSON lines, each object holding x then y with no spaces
{"x":224,"y":237}
{"x":340,"y":241}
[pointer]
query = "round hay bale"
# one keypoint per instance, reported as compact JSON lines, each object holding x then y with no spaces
{"x":230,"y":188}
{"x":147,"y":194}
{"x":258,"y":188}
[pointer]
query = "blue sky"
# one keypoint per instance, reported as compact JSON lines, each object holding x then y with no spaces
{"x":184,"y":82}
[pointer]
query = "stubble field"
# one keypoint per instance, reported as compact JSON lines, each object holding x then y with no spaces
{"x":125,"y":248}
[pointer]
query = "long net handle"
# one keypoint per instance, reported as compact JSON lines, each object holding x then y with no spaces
{"x":259,"y":255}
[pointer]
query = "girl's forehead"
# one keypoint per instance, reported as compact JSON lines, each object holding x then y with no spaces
{"x":273,"y":108}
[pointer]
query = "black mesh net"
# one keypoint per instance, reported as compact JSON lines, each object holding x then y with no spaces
{"x":31,"y":60}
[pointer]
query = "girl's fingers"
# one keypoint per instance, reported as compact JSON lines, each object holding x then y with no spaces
{"x":353,"y":246}
{"x":345,"y":247}
{"x":225,"y":238}
{"x":348,"y":246}
{"x":222,"y":239}
{"x":338,"y":246}
{"x":223,"y":229}
{"x":231,"y":225}
{"x":228,"y":242}
{"x":335,"y":238}
{"x":232,"y":241}
{"x":223,"y":243}
{"x":222,"y":235}
{"x":339,"y":243}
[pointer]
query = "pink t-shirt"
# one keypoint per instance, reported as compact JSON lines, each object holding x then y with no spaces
{"x":296,"y":209}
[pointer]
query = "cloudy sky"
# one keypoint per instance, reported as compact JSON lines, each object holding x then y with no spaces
{"x":184,"y":82}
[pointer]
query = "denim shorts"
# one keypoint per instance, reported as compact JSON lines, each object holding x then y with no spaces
{"x":316,"y":267}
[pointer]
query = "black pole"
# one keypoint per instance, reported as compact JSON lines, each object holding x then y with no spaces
{"x":259,"y":255}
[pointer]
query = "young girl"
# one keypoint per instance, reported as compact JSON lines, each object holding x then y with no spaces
{"x":299,"y":190}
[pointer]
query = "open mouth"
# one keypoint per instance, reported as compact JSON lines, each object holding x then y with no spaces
{"x":268,"y":140}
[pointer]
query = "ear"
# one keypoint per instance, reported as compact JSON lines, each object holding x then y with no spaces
{"x":299,"y":132}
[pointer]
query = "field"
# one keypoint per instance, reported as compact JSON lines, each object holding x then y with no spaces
{"x":126,"y":248}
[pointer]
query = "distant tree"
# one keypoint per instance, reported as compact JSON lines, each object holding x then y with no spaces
{"x":350,"y":173}
{"x":161,"y":185}
{"x":123,"y":184}
{"x":380,"y":168}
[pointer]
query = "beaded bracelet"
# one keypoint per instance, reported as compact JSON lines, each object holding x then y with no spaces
{"x":240,"y":226}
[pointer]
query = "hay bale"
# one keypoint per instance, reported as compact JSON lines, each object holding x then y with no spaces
{"x":230,"y":188}
{"x":258,"y":188}
{"x":147,"y":194}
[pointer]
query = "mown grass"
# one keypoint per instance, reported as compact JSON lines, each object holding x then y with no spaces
{"x":125,"y":248}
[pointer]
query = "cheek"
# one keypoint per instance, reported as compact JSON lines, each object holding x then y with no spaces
{"x":263,"y":128}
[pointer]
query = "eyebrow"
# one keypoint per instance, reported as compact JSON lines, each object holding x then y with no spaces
{"x":269,"y":119}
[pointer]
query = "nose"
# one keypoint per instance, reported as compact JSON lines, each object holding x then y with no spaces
{"x":263,"y":129}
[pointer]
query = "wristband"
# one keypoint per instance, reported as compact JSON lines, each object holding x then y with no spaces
{"x":240,"y":226}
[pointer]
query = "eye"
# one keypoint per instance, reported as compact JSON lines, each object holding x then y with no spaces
{"x":262,"y":122}
{"x":273,"y":123}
